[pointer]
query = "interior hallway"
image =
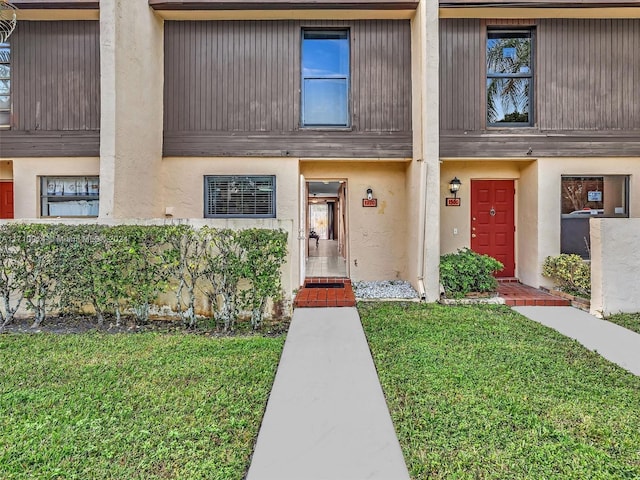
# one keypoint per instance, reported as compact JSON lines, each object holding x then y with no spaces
{"x":324,"y":260}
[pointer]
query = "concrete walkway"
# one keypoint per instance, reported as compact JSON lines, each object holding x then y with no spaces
{"x":613,"y":342}
{"x":327,"y":417}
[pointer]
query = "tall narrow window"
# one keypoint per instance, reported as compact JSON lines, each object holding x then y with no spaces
{"x":5,"y":85}
{"x":509,"y":78}
{"x":325,"y":78}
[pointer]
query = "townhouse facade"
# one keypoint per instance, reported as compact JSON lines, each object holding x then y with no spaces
{"x":350,"y":119}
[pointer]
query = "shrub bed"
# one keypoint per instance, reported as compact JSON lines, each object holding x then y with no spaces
{"x":124,"y":268}
{"x":570,"y":273}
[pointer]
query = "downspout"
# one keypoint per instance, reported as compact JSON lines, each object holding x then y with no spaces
{"x":422,"y":225}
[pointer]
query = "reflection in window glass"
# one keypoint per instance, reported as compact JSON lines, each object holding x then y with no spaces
{"x":5,"y":84}
{"x":509,"y":77}
{"x":325,"y":78}
{"x":70,"y":196}
{"x":584,"y":197}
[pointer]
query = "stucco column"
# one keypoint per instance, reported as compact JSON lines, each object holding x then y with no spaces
{"x":131,"y":70}
{"x":423,"y":182}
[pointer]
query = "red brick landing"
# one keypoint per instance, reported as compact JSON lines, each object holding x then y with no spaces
{"x":516,"y":294}
{"x":313,"y":294}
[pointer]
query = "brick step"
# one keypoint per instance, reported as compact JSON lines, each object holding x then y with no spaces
{"x":337,"y":293}
{"x":518,"y":295}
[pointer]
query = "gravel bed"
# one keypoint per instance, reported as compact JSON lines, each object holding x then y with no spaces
{"x":384,"y":289}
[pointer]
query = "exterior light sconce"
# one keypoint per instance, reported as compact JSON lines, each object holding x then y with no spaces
{"x":454,"y":186}
{"x":369,"y":201}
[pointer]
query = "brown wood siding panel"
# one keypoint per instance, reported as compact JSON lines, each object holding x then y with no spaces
{"x":381,"y":75}
{"x":575,"y":144}
{"x":282,"y":5}
{"x":56,"y":76}
{"x":461,"y":74}
{"x":297,"y":144}
{"x":244,"y":76}
{"x":587,"y":74}
{"x":49,"y":144}
{"x":230,"y":76}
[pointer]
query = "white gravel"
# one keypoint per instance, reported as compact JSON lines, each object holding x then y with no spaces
{"x":384,"y":289}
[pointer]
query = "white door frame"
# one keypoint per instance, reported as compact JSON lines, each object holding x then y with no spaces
{"x":302,"y":229}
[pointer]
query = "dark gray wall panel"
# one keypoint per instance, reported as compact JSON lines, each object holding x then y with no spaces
{"x":244,"y":76}
{"x":461,"y":73}
{"x":511,"y":145}
{"x":56,"y":76}
{"x":49,"y":144}
{"x":295,"y":144}
{"x":588,"y":74}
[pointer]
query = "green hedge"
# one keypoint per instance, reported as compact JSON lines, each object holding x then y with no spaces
{"x":125,"y":268}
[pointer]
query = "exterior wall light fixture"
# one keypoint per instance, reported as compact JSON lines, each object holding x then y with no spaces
{"x":369,"y":193}
{"x":454,"y":186}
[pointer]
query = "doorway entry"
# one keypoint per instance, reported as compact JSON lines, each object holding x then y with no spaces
{"x":326,"y":228}
{"x":493,"y":222}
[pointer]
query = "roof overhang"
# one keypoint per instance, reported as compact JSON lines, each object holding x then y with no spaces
{"x":283,"y":10}
{"x":57,"y":9}
{"x":539,"y":9}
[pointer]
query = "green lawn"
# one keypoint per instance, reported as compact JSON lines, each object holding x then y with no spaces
{"x":627,"y":320}
{"x":485,"y":393}
{"x":136,"y":406}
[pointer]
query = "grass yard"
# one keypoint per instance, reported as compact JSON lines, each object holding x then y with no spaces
{"x":482,"y":392}
{"x":627,"y":320}
{"x":133,"y":406}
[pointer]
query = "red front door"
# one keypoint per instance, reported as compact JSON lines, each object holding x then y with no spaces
{"x":6,"y":199}
{"x":492,"y":221}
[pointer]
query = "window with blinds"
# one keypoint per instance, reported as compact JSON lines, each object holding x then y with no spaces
{"x":239,"y":196}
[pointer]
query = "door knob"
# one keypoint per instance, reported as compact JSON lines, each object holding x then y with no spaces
{"x":473,"y":235}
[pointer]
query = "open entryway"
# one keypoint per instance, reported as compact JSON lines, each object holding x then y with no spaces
{"x":493,"y":221}
{"x":325,"y":218}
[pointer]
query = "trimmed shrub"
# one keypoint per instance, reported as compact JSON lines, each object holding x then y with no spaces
{"x":466,"y":271}
{"x":570,"y":273}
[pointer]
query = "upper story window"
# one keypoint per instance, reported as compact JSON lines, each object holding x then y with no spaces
{"x":509,"y":77}
{"x":325,"y":78}
{"x":5,"y":85}
{"x":236,"y":196}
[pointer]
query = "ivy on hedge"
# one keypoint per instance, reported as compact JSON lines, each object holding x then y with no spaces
{"x":122,"y":268}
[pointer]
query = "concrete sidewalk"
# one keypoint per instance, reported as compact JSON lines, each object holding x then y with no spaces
{"x":327,"y":417}
{"x":613,"y":342}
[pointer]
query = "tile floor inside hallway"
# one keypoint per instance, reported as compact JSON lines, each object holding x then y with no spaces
{"x":324,"y":260}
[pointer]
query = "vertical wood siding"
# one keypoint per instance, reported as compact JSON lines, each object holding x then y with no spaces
{"x":586,"y":74}
{"x":244,"y":76}
{"x":56,"y":76}
{"x":462,"y":91}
